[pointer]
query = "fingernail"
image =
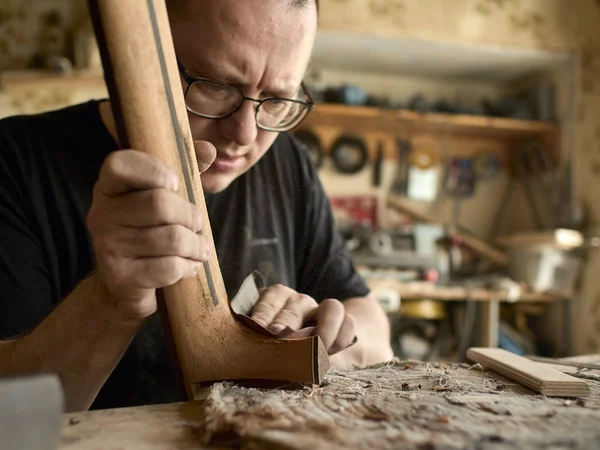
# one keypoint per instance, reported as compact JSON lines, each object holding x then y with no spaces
{"x":199,"y":220}
{"x":195,"y":268}
{"x":174,"y":184}
{"x":277,"y":328}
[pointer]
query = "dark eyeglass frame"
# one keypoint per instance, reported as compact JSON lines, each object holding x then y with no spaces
{"x":189,"y":79}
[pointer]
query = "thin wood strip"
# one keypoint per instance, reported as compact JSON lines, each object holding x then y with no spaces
{"x":535,"y":376}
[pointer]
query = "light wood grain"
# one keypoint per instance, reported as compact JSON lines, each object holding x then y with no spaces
{"x":535,"y":376}
{"x":408,"y":405}
{"x":372,"y":117}
{"x":421,"y":289}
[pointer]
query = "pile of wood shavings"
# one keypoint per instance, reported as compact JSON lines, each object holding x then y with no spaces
{"x":399,"y":405}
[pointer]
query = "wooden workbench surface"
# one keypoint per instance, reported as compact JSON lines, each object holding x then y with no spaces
{"x":399,"y":405}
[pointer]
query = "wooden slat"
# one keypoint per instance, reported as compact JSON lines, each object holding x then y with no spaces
{"x":535,"y":376}
{"x":421,"y":289}
{"x":482,"y":125}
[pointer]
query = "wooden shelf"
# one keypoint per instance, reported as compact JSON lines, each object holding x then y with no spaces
{"x":414,"y":122}
{"x":423,"y":290}
{"x":27,"y":79}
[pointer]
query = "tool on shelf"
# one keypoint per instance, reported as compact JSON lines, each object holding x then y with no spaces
{"x":533,"y":165}
{"x":349,"y":154}
{"x":400,"y":184}
{"x":377,"y":165}
{"x":477,"y":245}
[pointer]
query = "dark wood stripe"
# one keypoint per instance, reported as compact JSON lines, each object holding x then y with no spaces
{"x":180,"y":146}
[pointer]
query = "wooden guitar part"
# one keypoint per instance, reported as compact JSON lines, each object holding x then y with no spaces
{"x":146,"y":94}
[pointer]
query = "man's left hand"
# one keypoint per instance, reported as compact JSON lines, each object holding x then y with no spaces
{"x":281,"y":309}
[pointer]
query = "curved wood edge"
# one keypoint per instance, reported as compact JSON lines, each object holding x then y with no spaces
{"x":147,"y":100}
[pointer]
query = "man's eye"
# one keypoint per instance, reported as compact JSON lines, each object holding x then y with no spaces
{"x":213,"y":90}
{"x":275,"y":105}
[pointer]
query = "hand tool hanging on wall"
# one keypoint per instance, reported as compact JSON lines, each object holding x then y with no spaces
{"x":150,"y":113}
{"x":377,"y":165}
{"x":461,"y":180}
{"x":530,"y":164}
{"x":486,"y":165}
{"x":349,"y":154}
{"x":423,"y":172}
{"x":400,"y":185}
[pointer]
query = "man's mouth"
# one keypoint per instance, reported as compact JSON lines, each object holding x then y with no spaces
{"x":226,"y":163}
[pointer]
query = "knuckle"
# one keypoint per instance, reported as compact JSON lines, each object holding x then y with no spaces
{"x":330,"y":308}
{"x":113,"y":164}
{"x":175,"y":238}
{"x":115,"y":272}
{"x":333,"y":304}
{"x":104,"y":245}
{"x":169,"y":273}
{"x":304,"y":299}
{"x":159,"y":202}
{"x":350,"y":320}
{"x":196,"y":221}
{"x":279,"y":291}
{"x":161,"y":172}
{"x":203,"y":246}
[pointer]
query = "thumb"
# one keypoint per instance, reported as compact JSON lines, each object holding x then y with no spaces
{"x":205,"y":154}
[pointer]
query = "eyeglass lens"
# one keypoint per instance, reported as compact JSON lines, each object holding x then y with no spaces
{"x":213,"y":100}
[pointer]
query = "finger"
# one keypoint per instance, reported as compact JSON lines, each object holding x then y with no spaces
{"x":153,"y":273}
{"x":205,"y":154}
{"x":329,"y":317}
{"x":130,"y":170}
{"x":272,"y":300}
{"x":346,"y":335}
{"x":155,"y":207}
{"x":294,"y":313}
{"x":166,"y":240}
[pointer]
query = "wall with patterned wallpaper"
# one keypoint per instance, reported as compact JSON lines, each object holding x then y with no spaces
{"x":535,"y":24}
{"x":559,"y":25}
{"x":30,"y":29}
{"x":21,"y":23}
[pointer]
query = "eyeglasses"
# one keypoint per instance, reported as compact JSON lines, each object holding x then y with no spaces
{"x":213,"y":100}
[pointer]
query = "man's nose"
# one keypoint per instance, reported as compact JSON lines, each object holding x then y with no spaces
{"x":240,"y":127}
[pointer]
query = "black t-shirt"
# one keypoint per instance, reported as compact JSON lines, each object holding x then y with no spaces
{"x":275,"y":218}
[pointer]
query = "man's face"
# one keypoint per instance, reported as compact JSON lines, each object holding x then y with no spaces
{"x":261,"y":47}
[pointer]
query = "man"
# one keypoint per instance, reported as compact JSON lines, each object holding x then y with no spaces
{"x":88,"y":232}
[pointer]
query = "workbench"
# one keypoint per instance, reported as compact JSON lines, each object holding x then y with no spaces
{"x":408,"y":405}
{"x":489,"y":311}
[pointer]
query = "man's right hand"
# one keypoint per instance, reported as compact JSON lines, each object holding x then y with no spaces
{"x":145,"y":235}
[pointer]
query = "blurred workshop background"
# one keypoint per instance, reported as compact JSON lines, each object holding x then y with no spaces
{"x":458,"y":140}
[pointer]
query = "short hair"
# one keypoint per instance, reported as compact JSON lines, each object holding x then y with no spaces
{"x":176,"y":8}
{"x":304,"y":3}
